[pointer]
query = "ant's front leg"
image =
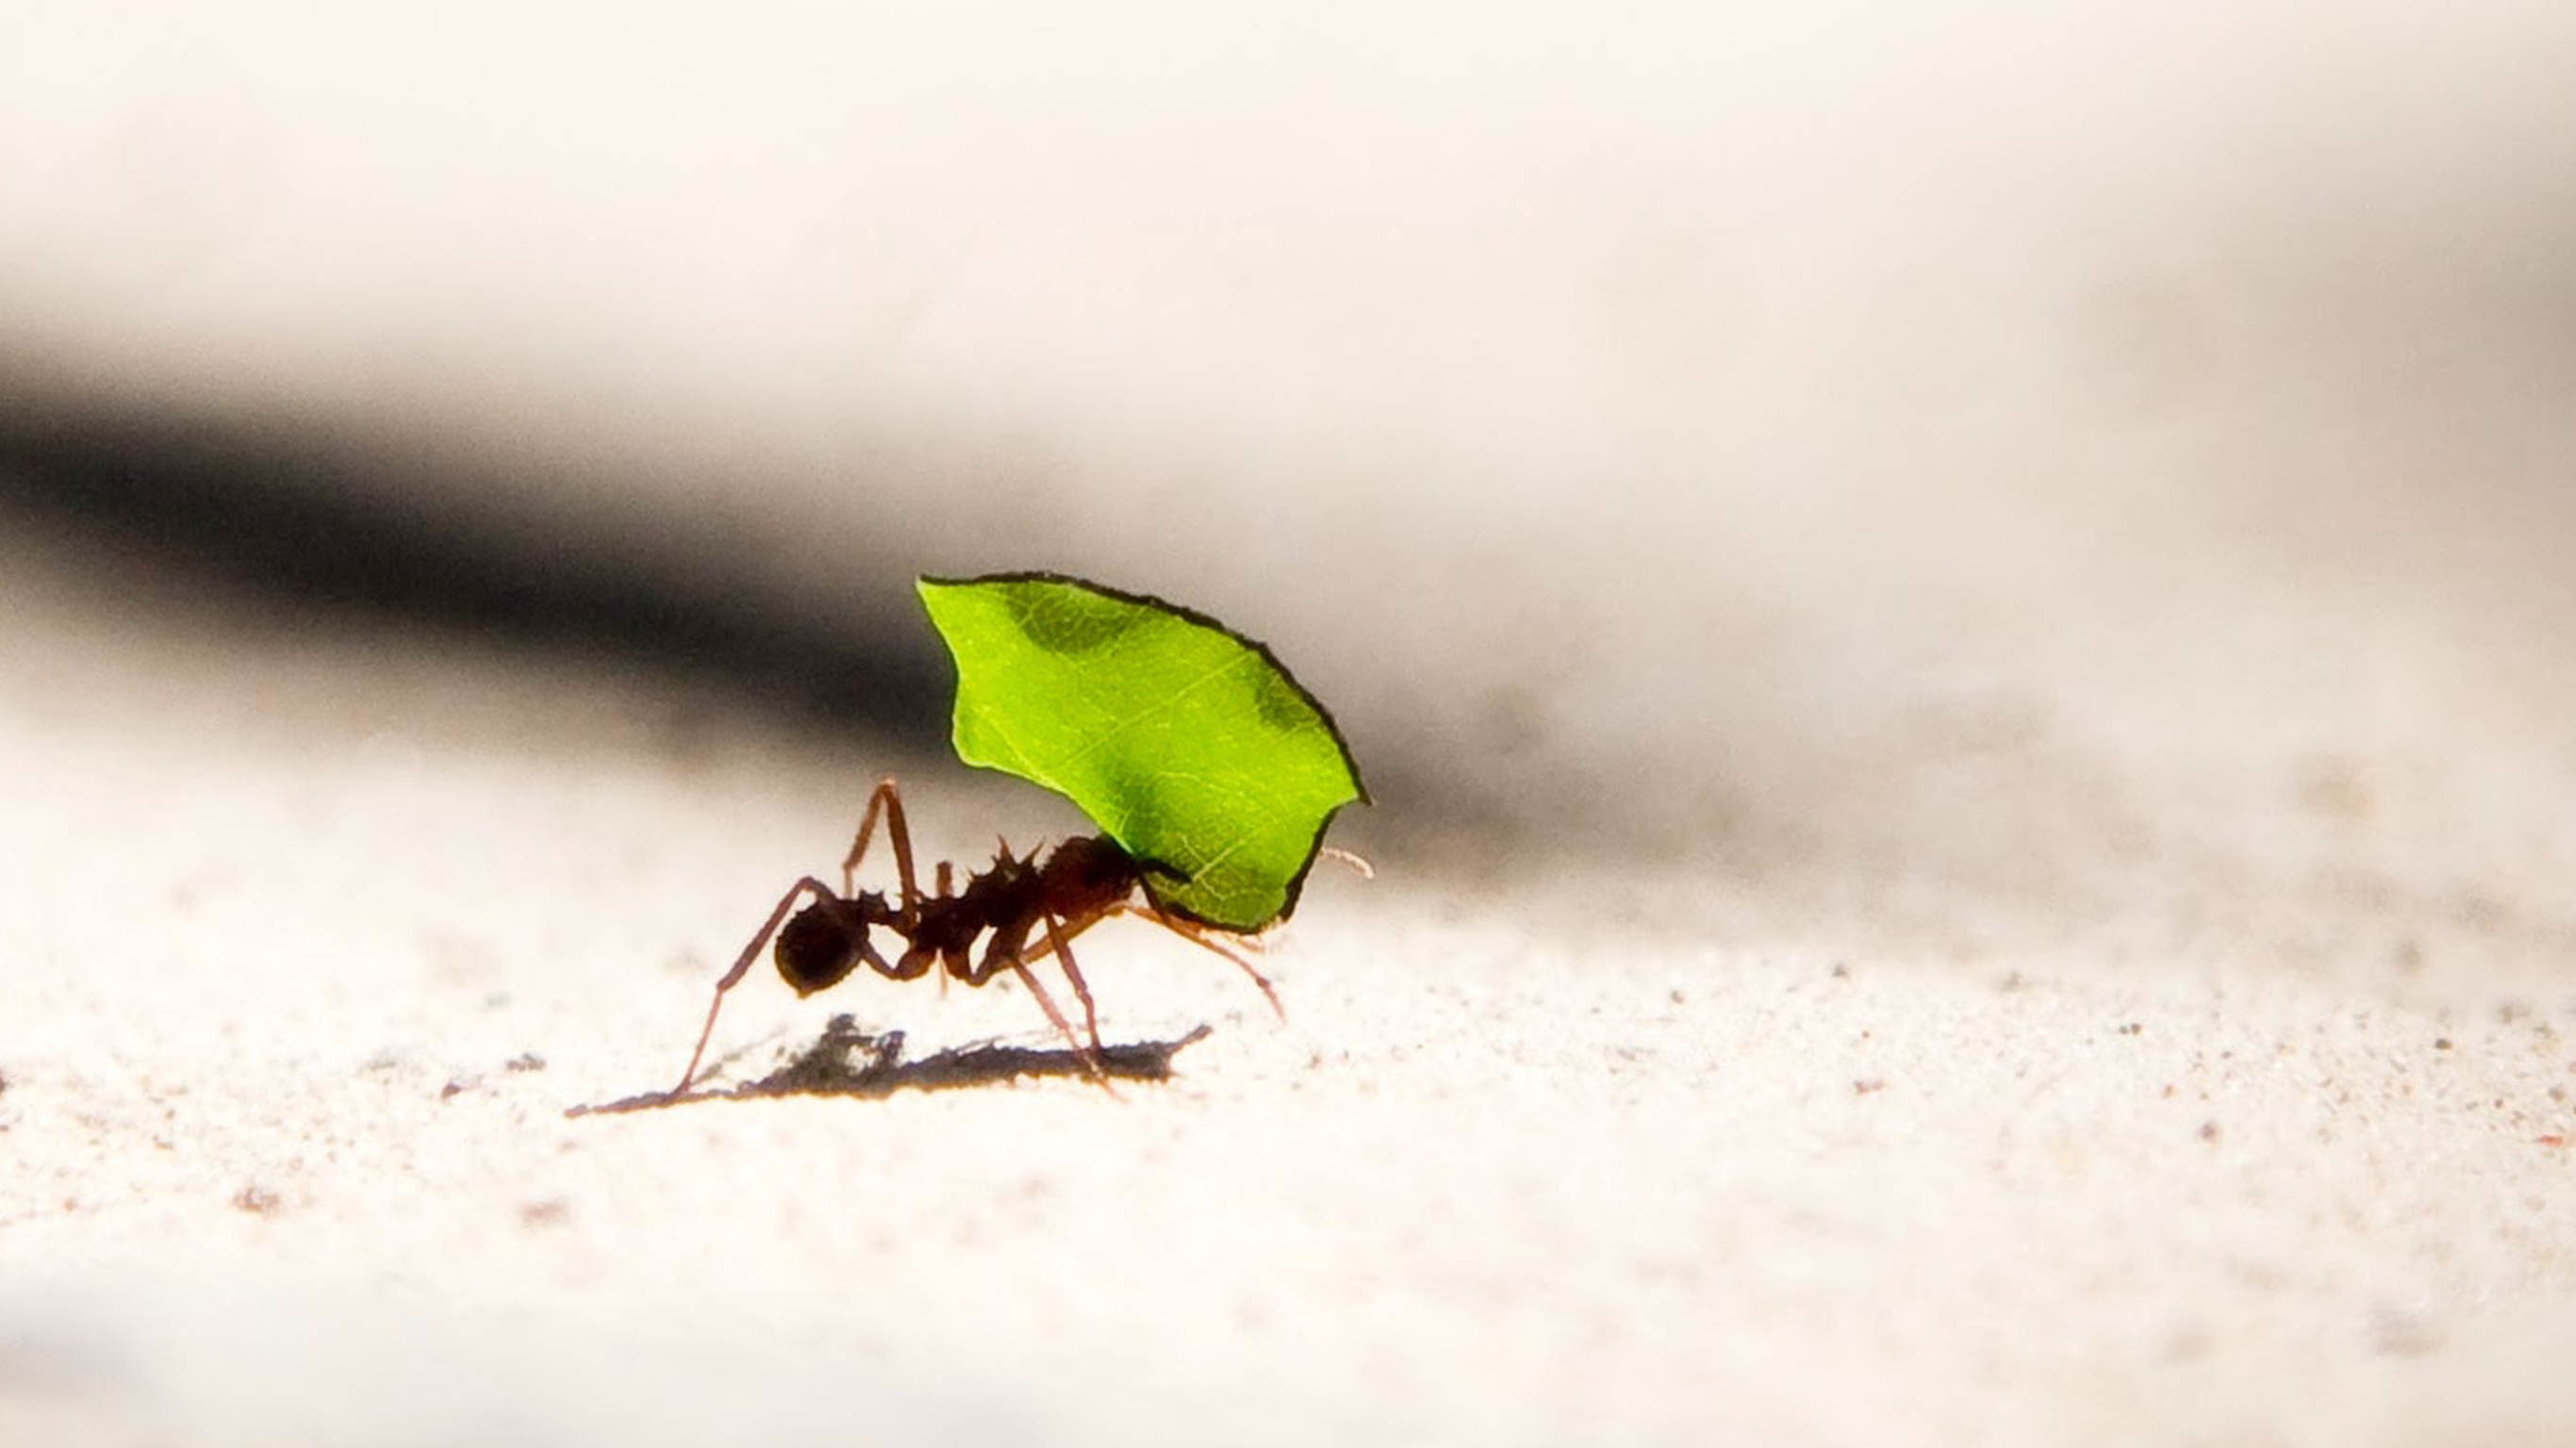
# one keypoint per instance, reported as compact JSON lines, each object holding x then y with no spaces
{"x":742,"y":965}
{"x":1197,"y":935}
{"x":884,"y":800}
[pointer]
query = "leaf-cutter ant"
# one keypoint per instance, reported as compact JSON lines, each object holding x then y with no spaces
{"x":1076,"y":885}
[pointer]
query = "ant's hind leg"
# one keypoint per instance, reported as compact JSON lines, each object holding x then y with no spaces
{"x":742,"y":965}
{"x":884,"y":800}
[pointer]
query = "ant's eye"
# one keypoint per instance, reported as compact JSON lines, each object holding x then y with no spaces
{"x":819,"y":948}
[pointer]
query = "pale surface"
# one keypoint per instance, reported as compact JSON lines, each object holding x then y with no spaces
{"x":1842,"y":1164}
{"x":1958,"y":615}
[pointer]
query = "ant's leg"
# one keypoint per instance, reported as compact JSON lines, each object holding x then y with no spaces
{"x":742,"y":965}
{"x":947,"y":878}
{"x":1061,"y":944}
{"x":875,"y":960}
{"x":1001,"y":950}
{"x":1090,"y":1058}
{"x":883,"y":799}
{"x":1073,"y":926}
{"x":1182,"y":928}
{"x":877,"y":798}
{"x":1195,"y":936}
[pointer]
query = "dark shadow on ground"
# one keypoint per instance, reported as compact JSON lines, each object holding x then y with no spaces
{"x":846,"y":1061}
{"x":325,"y":524}
{"x":423,"y":529}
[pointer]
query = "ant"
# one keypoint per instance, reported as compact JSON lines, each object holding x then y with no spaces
{"x":1078,"y":884}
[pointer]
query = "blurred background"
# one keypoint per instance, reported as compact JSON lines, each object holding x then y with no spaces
{"x":2013,"y":440}
{"x":1958,"y":614}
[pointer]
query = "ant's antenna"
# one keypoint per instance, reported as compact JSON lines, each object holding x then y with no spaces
{"x":1366,"y":870}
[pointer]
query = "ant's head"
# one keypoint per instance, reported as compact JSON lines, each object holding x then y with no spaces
{"x":1090,"y":868}
{"x":825,"y":941}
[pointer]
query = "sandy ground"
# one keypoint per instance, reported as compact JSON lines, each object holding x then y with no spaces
{"x":316,"y":943}
{"x":1958,"y":620}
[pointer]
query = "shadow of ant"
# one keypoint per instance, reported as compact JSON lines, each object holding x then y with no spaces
{"x":846,"y":1061}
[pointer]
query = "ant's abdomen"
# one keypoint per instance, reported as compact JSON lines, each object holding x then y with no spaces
{"x":819,"y":948}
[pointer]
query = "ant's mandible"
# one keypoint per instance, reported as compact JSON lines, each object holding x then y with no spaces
{"x":1078,"y":884}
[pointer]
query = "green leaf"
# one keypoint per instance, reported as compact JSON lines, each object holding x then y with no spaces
{"x":1187,"y":743}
